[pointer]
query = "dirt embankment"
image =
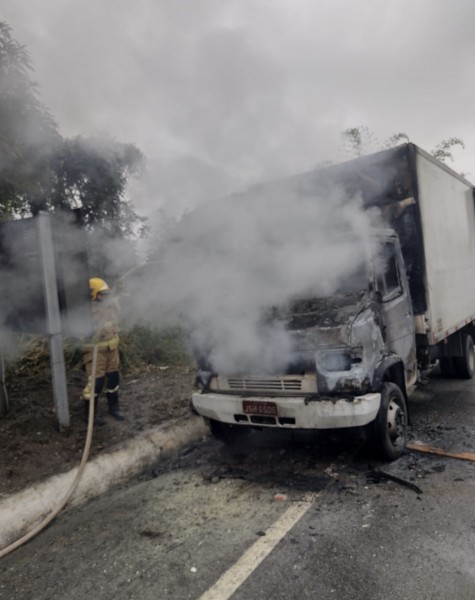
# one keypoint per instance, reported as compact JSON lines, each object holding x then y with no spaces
{"x":32,"y":446}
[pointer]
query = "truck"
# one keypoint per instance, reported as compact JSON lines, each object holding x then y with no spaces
{"x":410,"y":305}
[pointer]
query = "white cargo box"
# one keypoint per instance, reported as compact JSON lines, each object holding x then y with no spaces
{"x":446,"y":205}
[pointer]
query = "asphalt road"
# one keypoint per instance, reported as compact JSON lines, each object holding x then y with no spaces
{"x":282,"y":516}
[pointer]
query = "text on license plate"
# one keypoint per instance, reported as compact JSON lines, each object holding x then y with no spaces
{"x":250,"y":407}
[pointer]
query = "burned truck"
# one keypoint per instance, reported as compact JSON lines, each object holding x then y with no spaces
{"x":408,"y":304}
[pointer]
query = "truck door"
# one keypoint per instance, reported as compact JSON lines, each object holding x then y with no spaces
{"x":396,"y":306}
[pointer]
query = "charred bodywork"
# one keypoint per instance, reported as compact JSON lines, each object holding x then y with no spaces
{"x":341,"y":337}
{"x":340,"y":344}
{"x":343,"y":348}
{"x":355,"y":353}
{"x":337,"y":346}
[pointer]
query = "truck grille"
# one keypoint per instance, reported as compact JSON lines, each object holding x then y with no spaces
{"x":249,"y":384}
{"x":283,"y":385}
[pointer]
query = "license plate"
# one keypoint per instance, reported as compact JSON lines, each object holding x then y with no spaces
{"x":268,"y":409}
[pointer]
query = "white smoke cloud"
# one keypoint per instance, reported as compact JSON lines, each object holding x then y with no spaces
{"x":234,"y":259}
{"x":28,"y":249}
{"x":222,"y":94}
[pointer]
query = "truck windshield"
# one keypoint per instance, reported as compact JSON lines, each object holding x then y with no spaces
{"x":329,"y":285}
{"x":308,"y":312}
{"x":317,"y":308}
{"x":356,"y":281}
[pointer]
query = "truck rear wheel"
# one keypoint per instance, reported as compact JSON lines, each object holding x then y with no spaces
{"x":464,"y":366}
{"x":389,"y":430}
{"x":447,"y":368}
{"x":225,"y":432}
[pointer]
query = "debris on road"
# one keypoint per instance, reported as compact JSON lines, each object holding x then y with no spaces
{"x":419,"y":447}
{"x":377,"y":476}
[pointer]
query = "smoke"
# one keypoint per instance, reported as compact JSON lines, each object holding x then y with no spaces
{"x":223,"y":269}
{"x":220,"y":94}
{"x":43,"y":259}
{"x":231,"y":261}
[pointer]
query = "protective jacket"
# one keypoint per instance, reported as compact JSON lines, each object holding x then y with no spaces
{"x":106,"y":326}
{"x":105,"y":316}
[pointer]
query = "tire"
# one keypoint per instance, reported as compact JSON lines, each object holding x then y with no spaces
{"x":389,"y":429}
{"x":464,"y":366}
{"x":227,"y":433}
{"x":446,"y":366}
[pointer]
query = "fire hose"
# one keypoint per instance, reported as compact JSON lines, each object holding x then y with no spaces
{"x":415,"y":446}
{"x":85,"y":455}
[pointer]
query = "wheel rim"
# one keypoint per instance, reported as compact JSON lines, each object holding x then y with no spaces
{"x":395,"y":423}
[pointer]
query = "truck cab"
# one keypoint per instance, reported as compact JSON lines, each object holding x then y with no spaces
{"x":352,"y":360}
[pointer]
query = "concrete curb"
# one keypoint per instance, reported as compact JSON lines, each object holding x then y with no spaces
{"x":21,"y":512}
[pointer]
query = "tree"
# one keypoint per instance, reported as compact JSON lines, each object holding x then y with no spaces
{"x":28,"y":133}
{"x":395,"y":139}
{"x":93,"y":174}
{"x":40,"y":170}
{"x":443,"y":149}
{"x":361,"y":140}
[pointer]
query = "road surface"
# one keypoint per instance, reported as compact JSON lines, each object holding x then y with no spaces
{"x":281,"y":516}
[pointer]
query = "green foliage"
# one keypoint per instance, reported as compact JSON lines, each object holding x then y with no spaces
{"x":29,"y":355}
{"x":39,"y":170}
{"x":28,"y":134}
{"x":361,"y":140}
{"x":93,"y":174}
{"x":358,"y":139}
{"x":143,"y":346}
{"x":443,"y":149}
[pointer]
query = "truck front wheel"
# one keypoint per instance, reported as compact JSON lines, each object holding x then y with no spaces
{"x":389,"y":430}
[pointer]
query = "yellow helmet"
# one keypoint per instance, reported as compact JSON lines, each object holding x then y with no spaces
{"x":97,"y":285}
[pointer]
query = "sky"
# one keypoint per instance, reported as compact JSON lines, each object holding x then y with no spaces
{"x":221,"y":94}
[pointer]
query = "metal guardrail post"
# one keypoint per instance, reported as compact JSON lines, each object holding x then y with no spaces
{"x":58,"y":370}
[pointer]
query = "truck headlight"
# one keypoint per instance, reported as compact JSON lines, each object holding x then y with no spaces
{"x":341,"y":360}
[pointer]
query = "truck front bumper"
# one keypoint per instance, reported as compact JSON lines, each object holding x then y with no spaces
{"x":292,"y":413}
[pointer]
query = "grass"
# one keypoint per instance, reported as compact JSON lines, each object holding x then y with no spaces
{"x":141,"y":348}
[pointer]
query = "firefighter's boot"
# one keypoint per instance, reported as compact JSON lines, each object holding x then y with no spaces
{"x":98,"y":421}
{"x":112,"y":393}
{"x":114,"y":409}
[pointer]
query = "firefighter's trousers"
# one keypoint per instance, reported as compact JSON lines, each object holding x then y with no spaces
{"x":107,"y":371}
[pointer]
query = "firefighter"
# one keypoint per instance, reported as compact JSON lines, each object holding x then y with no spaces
{"x":105,"y":311}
